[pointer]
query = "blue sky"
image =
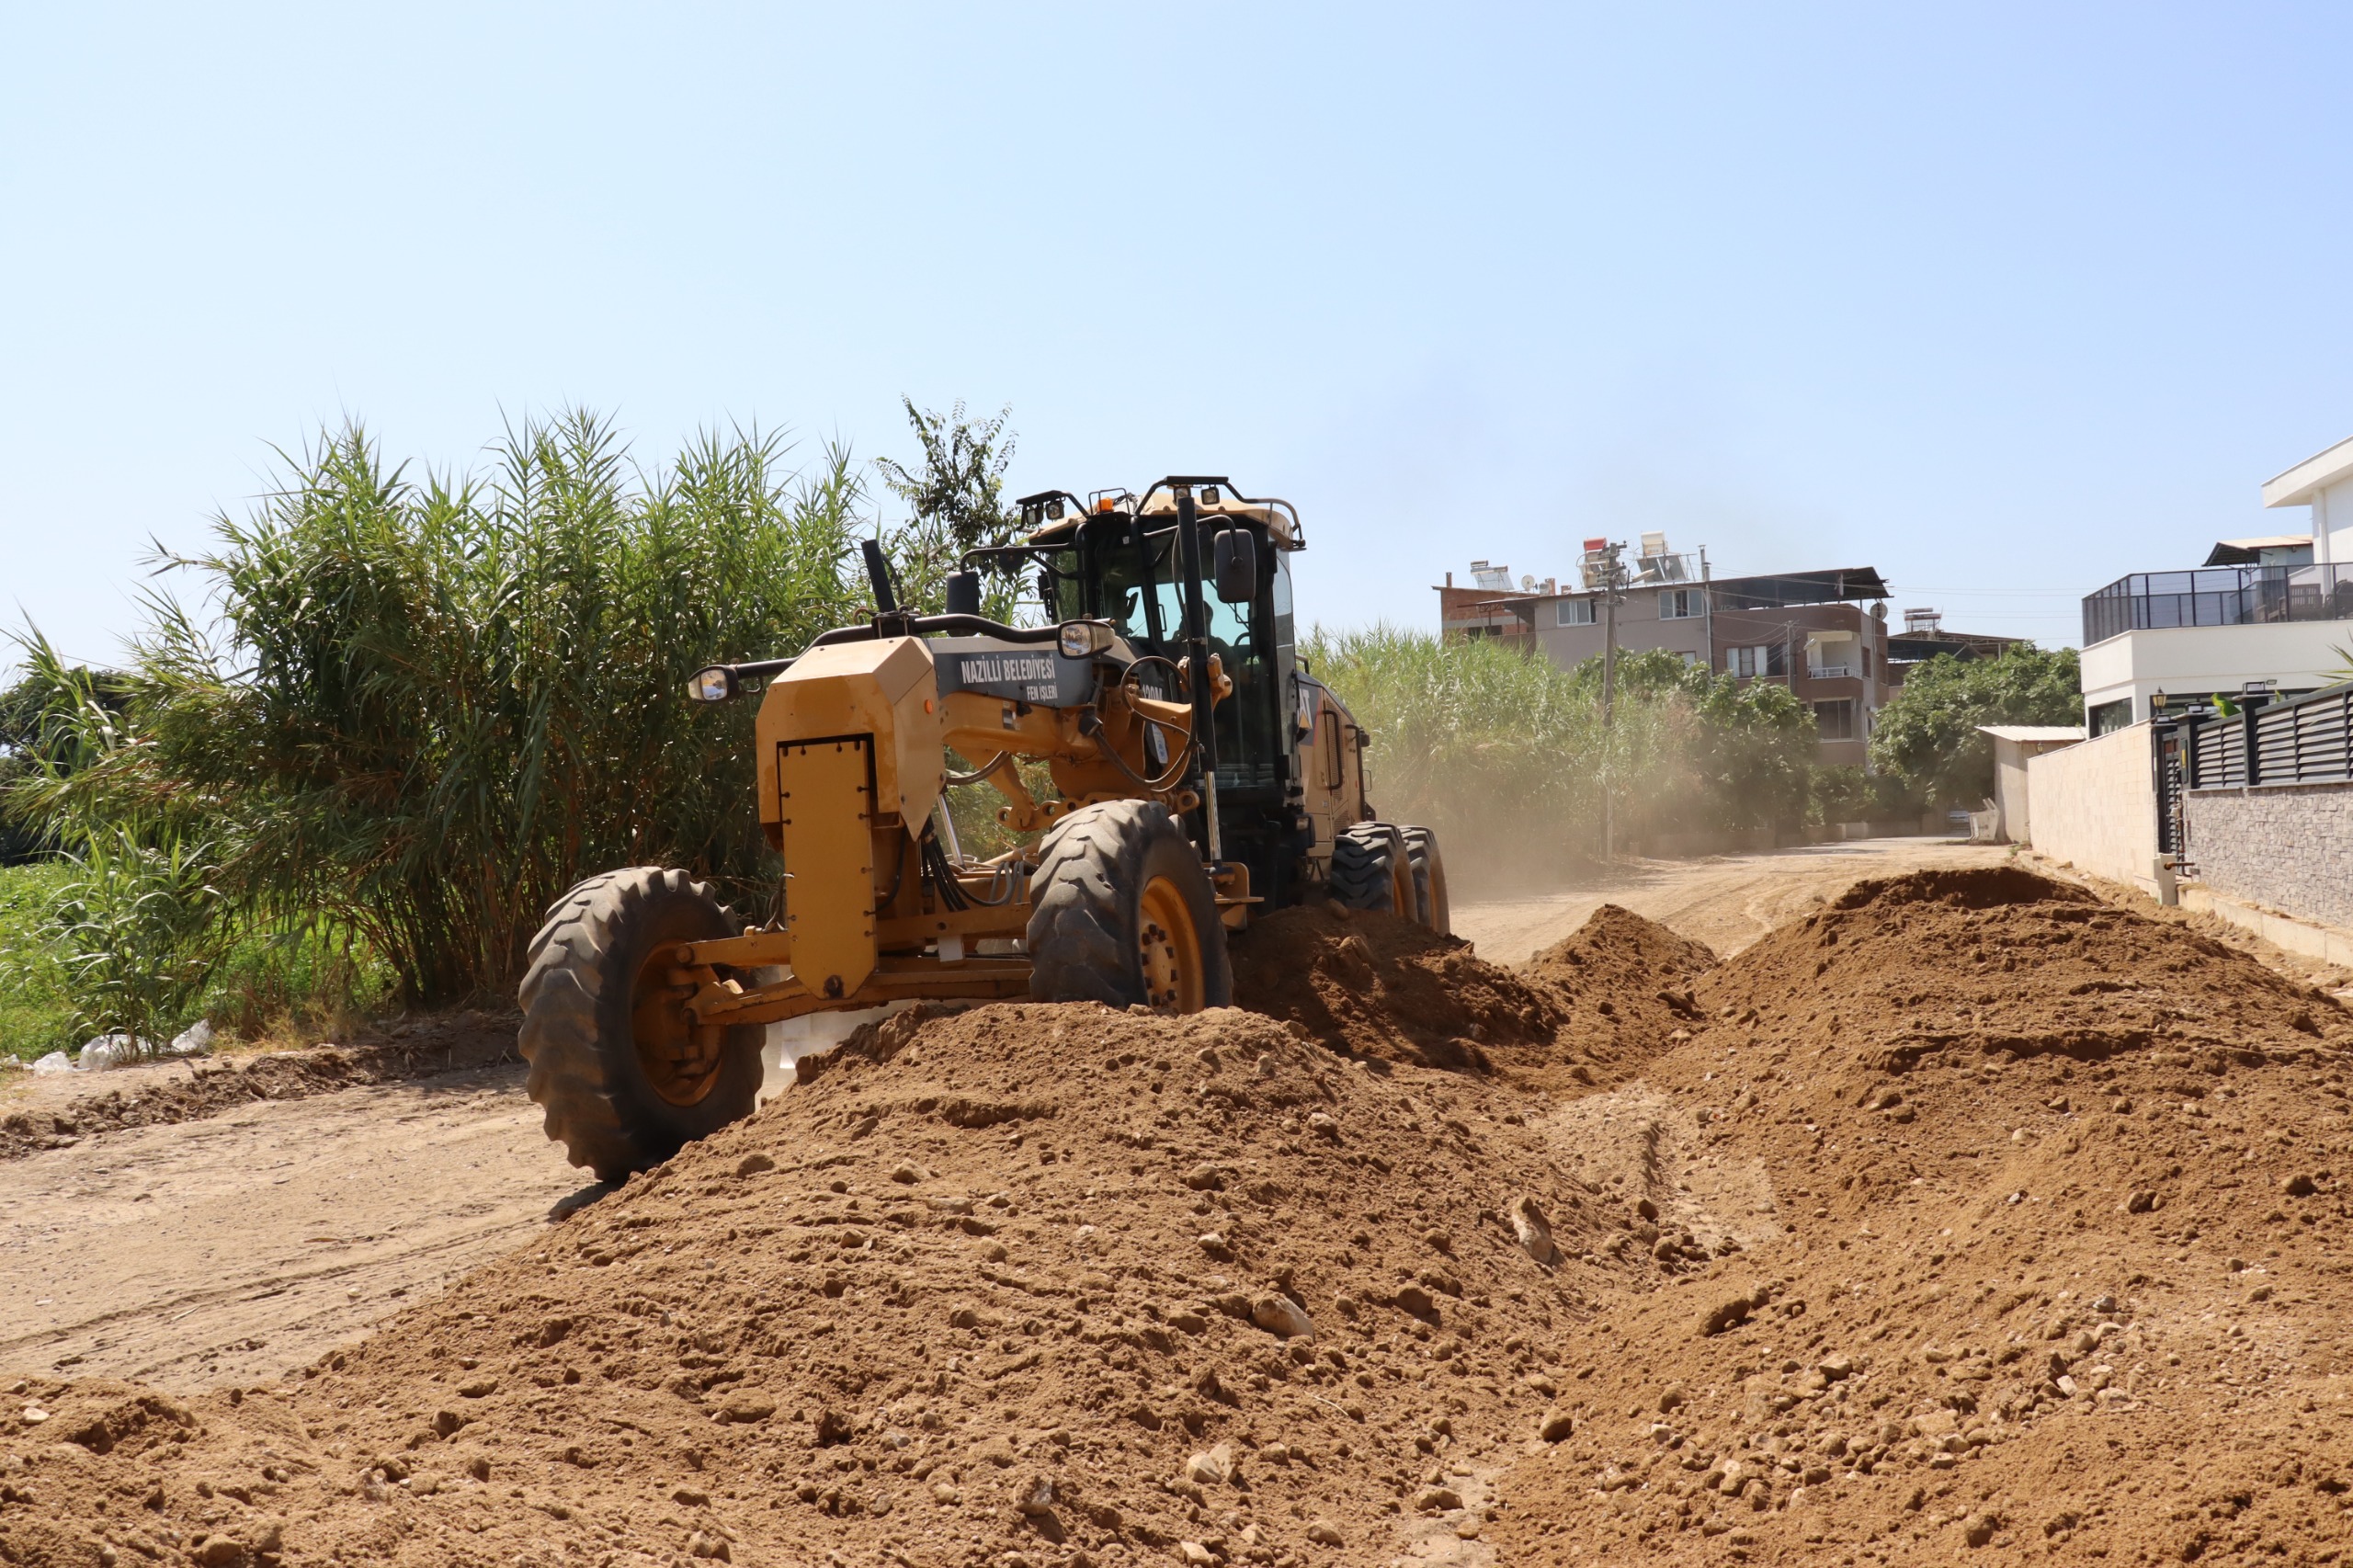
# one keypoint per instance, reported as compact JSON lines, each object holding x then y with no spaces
{"x":2004,"y":299}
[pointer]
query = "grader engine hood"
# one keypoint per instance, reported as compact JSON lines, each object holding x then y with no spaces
{"x":850,"y":759}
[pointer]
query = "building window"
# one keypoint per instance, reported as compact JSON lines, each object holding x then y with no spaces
{"x":1835,"y":719}
{"x":2108,"y":717}
{"x":1867,"y":661}
{"x":1764,"y":659}
{"x":1575,"y":612}
{"x":1680,"y":604}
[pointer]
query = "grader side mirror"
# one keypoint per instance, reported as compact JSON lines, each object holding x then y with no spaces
{"x":1237,"y":566}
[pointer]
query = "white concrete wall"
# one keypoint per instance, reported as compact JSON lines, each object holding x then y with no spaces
{"x":2095,"y":806}
{"x":2333,"y":523}
{"x":2010,"y":794}
{"x":2198,"y":659}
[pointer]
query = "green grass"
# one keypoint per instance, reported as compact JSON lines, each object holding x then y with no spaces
{"x":299,"y":986}
{"x":290,"y":986}
{"x":36,"y":1014}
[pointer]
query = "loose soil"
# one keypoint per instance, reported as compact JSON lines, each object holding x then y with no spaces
{"x":1055,"y":1282}
{"x":2066,"y":1270}
{"x":1375,"y":986}
{"x":58,"y":1112}
{"x":1628,"y":984}
{"x":1969,"y":1211}
{"x":1591,"y":1007}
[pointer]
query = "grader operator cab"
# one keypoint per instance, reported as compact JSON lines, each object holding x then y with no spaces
{"x":1202,"y":776}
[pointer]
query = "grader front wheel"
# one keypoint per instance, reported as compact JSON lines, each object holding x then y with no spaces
{"x":1122,"y":913}
{"x":1168,"y":948}
{"x":624,"y":1078}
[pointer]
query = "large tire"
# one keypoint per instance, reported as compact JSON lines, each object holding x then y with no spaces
{"x":623,"y":1082}
{"x":1121,"y":912}
{"x":1370,"y":870}
{"x":1431,"y":906}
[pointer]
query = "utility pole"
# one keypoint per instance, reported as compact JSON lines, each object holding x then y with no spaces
{"x":1614,"y":588}
{"x":1707,"y":613}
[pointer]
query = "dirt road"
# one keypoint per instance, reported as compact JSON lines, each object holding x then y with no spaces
{"x":1726,"y":903}
{"x":228,"y":1249}
{"x":237,"y":1246}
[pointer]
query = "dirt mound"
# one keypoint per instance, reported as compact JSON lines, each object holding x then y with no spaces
{"x":1583,"y":1013}
{"x":1373,"y":985}
{"x":2005,"y":962}
{"x":456,"y":1042}
{"x":1628,"y":982}
{"x":1967,"y":1213}
{"x":1974,"y":887}
{"x":1020,"y":1280}
{"x":2065,"y":1273}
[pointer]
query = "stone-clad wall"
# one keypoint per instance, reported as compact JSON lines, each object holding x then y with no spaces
{"x":2289,"y":846}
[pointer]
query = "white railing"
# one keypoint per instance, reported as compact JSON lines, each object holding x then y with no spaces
{"x":1829,"y":672}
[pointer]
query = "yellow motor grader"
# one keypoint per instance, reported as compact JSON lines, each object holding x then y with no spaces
{"x":1202,"y":775}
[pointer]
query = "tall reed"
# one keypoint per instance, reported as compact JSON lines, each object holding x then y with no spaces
{"x":420,"y":708}
{"x":1507,"y":756}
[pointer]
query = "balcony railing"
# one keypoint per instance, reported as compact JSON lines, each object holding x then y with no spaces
{"x":1831,"y":671}
{"x":2223,"y":596}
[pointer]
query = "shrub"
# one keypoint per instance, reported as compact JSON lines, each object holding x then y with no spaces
{"x":439,"y":702}
{"x":36,"y":1006}
{"x":1927,"y":735}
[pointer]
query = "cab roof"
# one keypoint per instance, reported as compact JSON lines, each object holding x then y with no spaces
{"x":1276,"y":516}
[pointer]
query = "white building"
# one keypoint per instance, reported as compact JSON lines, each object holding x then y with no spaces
{"x":2325,"y":484}
{"x":2262,"y":614}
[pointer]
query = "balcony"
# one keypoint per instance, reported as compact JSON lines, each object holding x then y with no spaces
{"x":1831,"y":671}
{"x":2227,"y":596}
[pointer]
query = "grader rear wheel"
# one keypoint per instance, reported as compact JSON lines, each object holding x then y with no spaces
{"x":1370,"y":870}
{"x":1122,"y":913}
{"x":1432,"y":906}
{"x":624,"y":1077}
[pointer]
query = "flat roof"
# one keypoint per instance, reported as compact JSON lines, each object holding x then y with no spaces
{"x":1774,"y":590}
{"x":2241,"y":552}
{"x":1770,"y":590}
{"x":2032,"y":733}
{"x":2296,"y":487}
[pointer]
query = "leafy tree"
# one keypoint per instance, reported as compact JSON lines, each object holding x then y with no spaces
{"x":1928,"y":736}
{"x":956,"y":501}
{"x":36,"y":739}
{"x":1850,"y":793}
